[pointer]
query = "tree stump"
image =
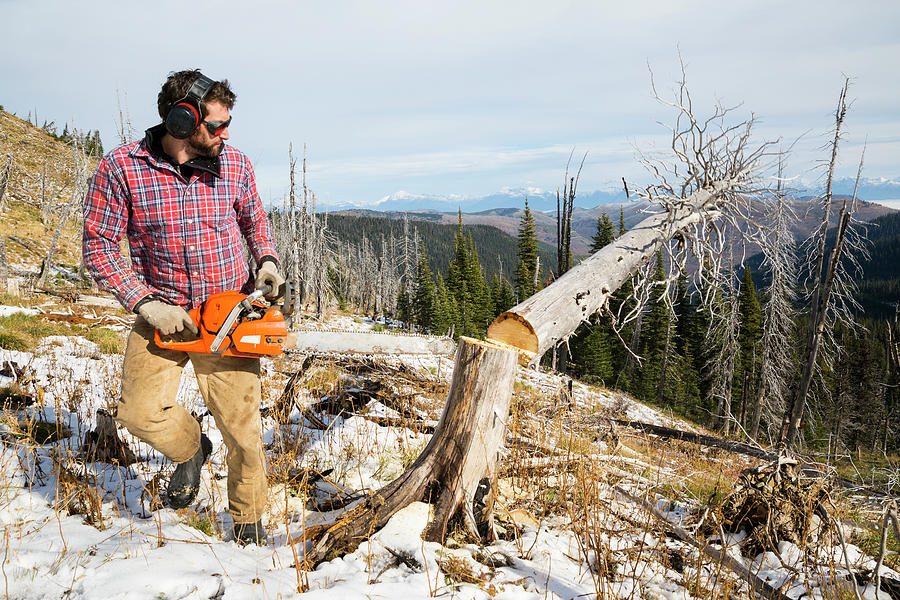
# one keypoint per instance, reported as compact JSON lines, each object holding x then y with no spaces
{"x":462,"y":453}
{"x":103,"y":443}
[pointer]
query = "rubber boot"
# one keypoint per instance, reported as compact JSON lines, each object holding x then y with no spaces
{"x":250,"y":533}
{"x":185,"y":481}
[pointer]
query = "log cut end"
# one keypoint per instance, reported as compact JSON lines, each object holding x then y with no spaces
{"x":511,"y":329}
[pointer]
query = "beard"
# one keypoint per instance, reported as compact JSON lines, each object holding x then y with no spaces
{"x":208,"y":149}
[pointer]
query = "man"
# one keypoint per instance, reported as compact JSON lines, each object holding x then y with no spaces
{"x":186,"y":202}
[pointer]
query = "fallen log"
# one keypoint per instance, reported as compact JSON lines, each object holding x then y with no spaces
{"x":548,"y":317}
{"x":697,"y":438}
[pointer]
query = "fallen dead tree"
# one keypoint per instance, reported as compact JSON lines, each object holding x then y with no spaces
{"x":460,"y":461}
{"x":698,"y":438}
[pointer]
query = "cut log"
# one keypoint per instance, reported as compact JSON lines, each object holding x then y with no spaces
{"x":462,"y":454}
{"x":551,"y":315}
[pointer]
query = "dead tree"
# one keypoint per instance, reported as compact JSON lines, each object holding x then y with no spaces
{"x":725,"y":330}
{"x":831,"y":298}
{"x":564,"y":207}
{"x":716,"y":169}
{"x":80,"y":169}
{"x":778,"y":320}
{"x":5,"y":173}
{"x":461,"y":454}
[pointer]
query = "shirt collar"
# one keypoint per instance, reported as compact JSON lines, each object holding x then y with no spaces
{"x":153,"y":143}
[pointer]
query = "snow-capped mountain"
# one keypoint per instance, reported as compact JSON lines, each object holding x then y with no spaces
{"x":538,"y":199}
{"x":871,"y":189}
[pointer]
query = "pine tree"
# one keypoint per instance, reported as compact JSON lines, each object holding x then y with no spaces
{"x":502,"y":295}
{"x":458,"y":282}
{"x":424,"y":302}
{"x":528,"y":256}
{"x":446,"y":312}
{"x":480,"y":301}
{"x":591,"y":351}
{"x":605,"y":233}
{"x":655,"y":336}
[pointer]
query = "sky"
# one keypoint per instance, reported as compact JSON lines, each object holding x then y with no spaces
{"x":465,"y":98}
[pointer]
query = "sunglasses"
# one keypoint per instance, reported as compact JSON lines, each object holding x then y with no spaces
{"x":216,"y":127}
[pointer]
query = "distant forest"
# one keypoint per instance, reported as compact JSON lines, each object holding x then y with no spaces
{"x":494,"y":246}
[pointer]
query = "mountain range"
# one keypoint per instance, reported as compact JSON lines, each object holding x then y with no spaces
{"x":871,"y":189}
{"x":584,"y":220}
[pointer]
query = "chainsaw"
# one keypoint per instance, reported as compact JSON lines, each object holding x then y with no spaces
{"x":236,"y":324}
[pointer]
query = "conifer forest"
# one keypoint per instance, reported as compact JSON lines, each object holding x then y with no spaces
{"x":731,"y":351}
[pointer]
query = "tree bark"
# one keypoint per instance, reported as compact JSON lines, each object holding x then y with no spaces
{"x":546,"y":318}
{"x":462,"y":453}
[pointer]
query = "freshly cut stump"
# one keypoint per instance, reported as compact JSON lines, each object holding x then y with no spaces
{"x":463,"y":452}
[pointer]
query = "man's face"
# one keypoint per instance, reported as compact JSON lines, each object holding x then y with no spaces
{"x":204,"y":144}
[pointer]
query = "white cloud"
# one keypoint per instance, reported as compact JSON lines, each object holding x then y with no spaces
{"x":464,"y":97}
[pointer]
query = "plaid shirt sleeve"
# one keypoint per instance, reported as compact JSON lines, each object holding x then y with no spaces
{"x":252,"y":219}
{"x":105,"y":222}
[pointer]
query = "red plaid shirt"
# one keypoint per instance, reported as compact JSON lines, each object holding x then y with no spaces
{"x":185,"y":235}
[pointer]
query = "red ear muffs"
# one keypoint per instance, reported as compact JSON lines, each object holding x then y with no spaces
{"x":185,"y":115}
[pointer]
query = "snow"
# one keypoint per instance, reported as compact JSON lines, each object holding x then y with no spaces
{"x":137,"y":552}
{"x":6,"y":311}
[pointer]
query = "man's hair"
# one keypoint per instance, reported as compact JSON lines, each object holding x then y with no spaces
{"x":177,"y":85}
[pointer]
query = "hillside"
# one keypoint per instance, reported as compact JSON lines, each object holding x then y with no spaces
{"x":879,"y":290}
{"x":495,"y":246}
{"x":588,"y":502}
{"x":584,"y":220}
{"x":40,"y":185}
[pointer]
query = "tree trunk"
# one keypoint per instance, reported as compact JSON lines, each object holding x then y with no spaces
{"x":461,"y":454}
{"x":543,"y":320}
{"x":4,"y":179}
{"x":4,"y":266}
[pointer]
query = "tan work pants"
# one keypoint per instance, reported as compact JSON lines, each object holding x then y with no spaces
{"x":231,"y":388}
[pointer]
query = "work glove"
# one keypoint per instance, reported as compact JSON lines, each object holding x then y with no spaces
{"x":167,"y":318}
{"x":268,"y":275}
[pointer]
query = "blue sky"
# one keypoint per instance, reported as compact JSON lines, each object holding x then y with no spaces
{"x":462,"y":97}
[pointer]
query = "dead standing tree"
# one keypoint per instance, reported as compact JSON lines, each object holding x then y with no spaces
{"x":831,"y":282}
{"x":463,"y":452}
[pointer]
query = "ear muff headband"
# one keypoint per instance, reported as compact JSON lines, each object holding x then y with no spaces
{"x":185,"y":115}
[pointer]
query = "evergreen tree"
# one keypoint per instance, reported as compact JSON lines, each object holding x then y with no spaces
{"x":424,"y":301}
{"x":622,"y":220}
{"x":502,"y":295}
{"x":592,"y":354}
{"x":446,"y":312}
{"x":526,"y":275}
{"x":605,"y":233}
{"x":480,"y":300}
{"x":655,"y":335}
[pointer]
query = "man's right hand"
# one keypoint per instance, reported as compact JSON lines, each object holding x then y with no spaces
{"x":167,"y":318}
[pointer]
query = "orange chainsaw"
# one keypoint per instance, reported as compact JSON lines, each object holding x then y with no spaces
{"x":236,"y":324}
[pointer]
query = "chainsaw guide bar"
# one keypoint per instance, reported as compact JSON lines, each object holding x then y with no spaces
{"x":366,"y":343}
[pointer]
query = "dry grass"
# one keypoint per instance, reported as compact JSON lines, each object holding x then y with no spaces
{"x":24,"y":332}
{"x":42,"y":170}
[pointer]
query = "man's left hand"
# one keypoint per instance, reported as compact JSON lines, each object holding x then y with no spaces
{"x":268,"y":275}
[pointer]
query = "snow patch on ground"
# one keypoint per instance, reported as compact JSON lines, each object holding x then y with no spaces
{"x":137,"y":552}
